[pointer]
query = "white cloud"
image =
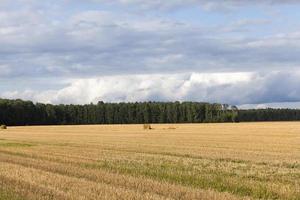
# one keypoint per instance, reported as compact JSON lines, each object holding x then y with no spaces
{"x":232,"y":88}
{"x":95,"y":43}
{"x":280,"y":105}
{"x":133,"y":88}
{"x":105,"y":52}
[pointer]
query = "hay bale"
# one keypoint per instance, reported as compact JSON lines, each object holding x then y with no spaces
{"x":147,"y":127}
{"x":3,"y":127}
{"x":171,"y":127}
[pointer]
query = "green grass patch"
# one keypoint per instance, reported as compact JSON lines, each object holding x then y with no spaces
{"x":15,"y":144}
{"x":200,"y":177}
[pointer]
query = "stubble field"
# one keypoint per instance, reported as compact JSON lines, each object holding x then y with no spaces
{"x":191,"y":161}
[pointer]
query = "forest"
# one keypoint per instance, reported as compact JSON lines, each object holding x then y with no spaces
{"x":20,"y":113}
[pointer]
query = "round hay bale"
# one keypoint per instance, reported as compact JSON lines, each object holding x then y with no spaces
{"x":147,"y":127}
{"x":3,"y":127}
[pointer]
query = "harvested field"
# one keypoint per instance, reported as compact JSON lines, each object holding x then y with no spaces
{"x":190,"y":161}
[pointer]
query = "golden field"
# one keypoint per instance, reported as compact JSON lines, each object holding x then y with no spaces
{"x":182,"y":161}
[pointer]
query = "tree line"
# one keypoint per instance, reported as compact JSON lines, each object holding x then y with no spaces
{"x":257,"y":115}
{"x":19,"y":113}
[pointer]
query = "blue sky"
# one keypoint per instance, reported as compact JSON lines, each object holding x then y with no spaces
{"x":82,"y":51}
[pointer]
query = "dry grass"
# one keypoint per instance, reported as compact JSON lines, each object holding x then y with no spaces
{"x":193,"y":161}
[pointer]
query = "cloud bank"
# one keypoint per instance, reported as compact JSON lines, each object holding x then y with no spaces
{"x":236,"y":52}
{"x":234,"y":88}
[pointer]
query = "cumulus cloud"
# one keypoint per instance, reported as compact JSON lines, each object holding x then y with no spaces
{"x":104,"y":52}
{"x":232,"y":88}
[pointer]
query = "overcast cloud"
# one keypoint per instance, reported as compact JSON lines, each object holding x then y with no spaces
{"x":236,"y":52}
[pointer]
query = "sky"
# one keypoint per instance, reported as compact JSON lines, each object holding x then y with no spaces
{"x":244,"y":53}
